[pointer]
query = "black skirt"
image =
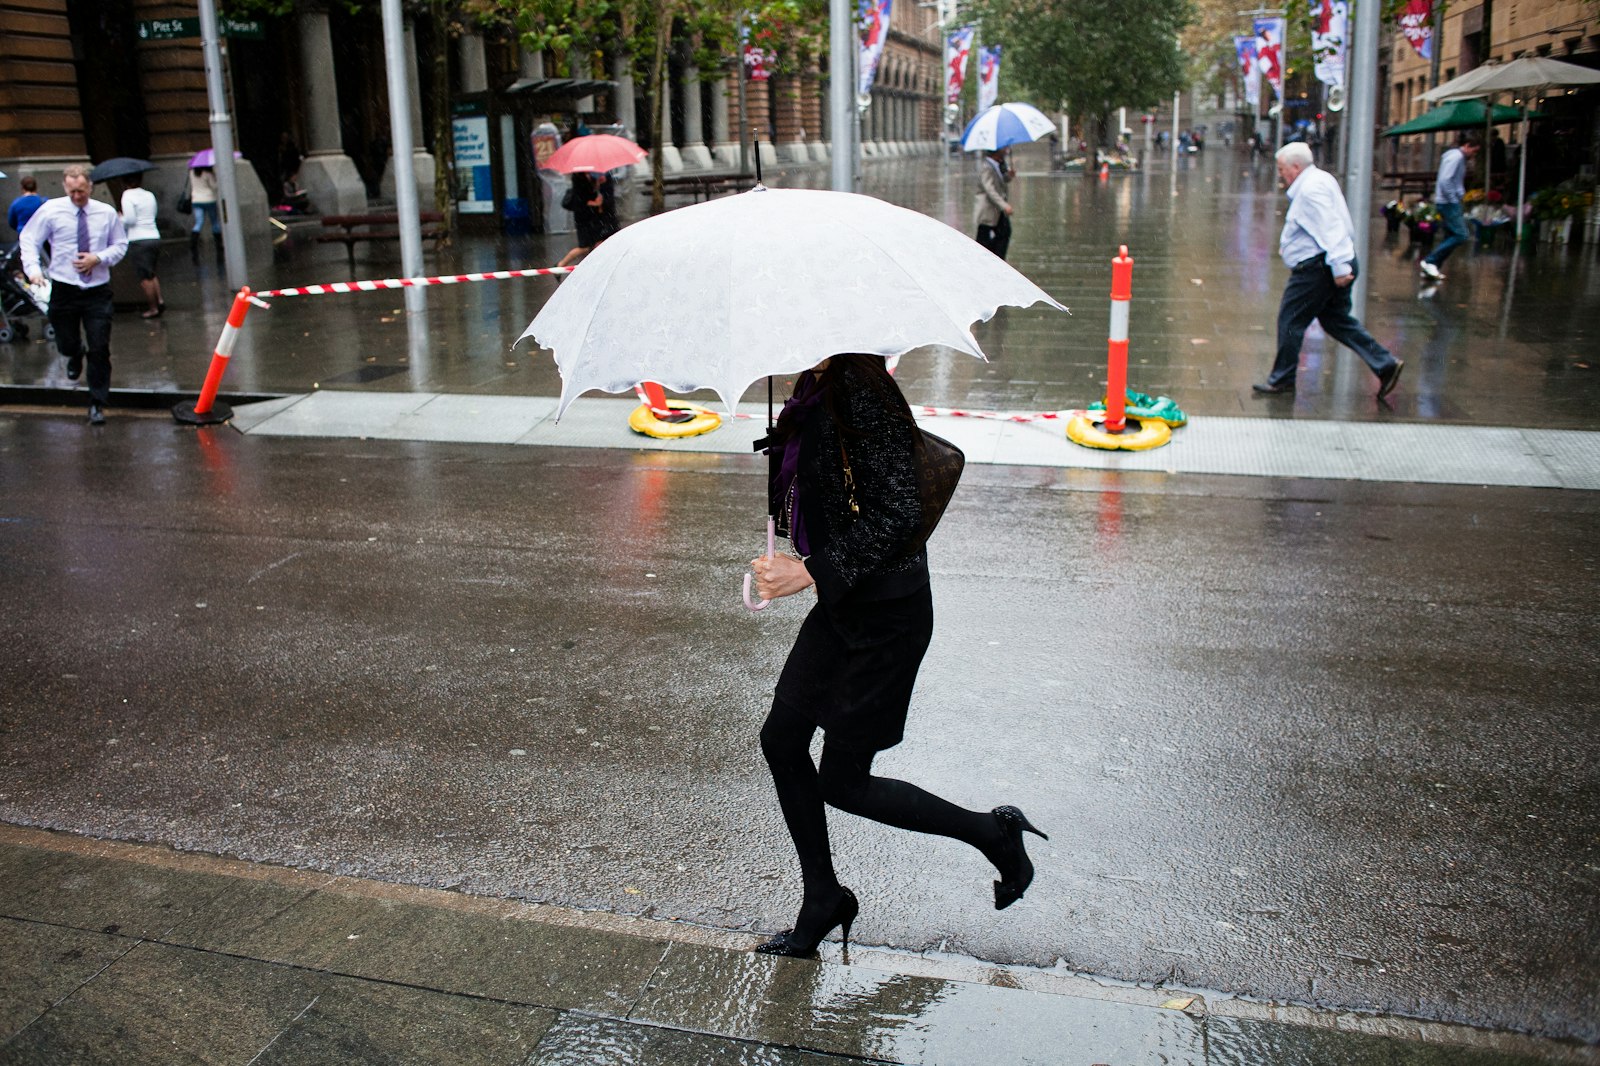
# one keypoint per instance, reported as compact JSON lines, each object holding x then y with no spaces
{"x":853,"y":666}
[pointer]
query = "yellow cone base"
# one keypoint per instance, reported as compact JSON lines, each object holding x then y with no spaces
{"x":643,"y":420}
{"x":1137,"y":437}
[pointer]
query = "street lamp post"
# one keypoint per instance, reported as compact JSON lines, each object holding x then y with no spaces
{"x":842,"y":116}
{"x":222,"y":147}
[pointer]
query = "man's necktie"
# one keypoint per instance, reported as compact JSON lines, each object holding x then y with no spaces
{"x":83,"y":231}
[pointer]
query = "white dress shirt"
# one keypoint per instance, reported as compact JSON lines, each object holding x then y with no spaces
{"x":57,"y":223}
{"x":1318,"y":223}
{"x":139,"y":215}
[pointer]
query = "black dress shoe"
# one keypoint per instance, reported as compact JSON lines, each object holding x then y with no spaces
{"x":1387,"y":382}
{"x":97,"y":417}
{"x":1014,"y":862}
{"x":74,"y":368}
{"x":1270,"y":388}
{"x":798,"y":945}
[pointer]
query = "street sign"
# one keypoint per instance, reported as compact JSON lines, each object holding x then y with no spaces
{"x":176,"y":29}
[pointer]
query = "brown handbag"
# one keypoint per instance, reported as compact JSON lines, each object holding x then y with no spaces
{"x":939,"y":466}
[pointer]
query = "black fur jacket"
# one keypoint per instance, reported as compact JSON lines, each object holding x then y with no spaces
{"x":861,"y":554}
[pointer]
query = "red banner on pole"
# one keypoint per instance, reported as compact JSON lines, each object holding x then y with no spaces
{"x":1416,"y":22}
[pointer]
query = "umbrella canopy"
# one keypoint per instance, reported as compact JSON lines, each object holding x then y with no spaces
{"x":1005,"y":124}
{"x":1528,"y":74}
{"x":594,"y":153}
{"x":1456,"y":115}
{"x":720,"y":294}
{"x":120,"y":167}
{"x":1460,"y":88}
{"x":205,"y":157}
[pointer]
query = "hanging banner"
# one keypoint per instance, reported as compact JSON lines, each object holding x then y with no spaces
{"x":1416,"y":22}
{"x":988,"y":76}
{"x":1329,"y":18}
{"x":1245,"y":48}
{"x":1269,"y":52}
{"x":756,"y":64}
{"x":874,"y":34}
{"x":957,"y":50}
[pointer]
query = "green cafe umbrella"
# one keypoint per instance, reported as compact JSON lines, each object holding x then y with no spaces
{"x":1456,"y":115}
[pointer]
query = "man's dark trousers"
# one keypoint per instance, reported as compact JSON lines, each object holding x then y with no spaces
{"x":75,"y":312}
{"x":996,"y":238}
{"x":1311,"y":294}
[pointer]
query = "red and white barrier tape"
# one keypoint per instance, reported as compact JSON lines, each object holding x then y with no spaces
{"x":407,"y":283}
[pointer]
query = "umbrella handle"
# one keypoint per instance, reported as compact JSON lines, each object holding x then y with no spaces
{"x":771,"y":548}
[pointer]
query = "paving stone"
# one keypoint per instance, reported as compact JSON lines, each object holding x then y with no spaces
{"x":40,"y":965}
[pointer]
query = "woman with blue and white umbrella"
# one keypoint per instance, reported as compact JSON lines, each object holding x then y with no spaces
{"x":992,"y":132}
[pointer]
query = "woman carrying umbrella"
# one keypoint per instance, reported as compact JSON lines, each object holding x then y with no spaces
{"x":847,"y":489}
{"x":594,"y":210}
{"x":203,"y":202}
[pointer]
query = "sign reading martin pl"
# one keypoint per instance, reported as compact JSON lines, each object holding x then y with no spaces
{"x":173,"y":29}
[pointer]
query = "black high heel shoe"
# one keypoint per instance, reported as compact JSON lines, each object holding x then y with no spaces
{"x":1015,"y":866}
{"x":787,"y":944}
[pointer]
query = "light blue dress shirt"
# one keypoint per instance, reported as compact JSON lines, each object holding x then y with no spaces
{"x":1318,"y":223}
{"x":1451,"y":185}
{"x":57,"y":223}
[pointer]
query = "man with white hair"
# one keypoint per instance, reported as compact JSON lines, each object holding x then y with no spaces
{"x":1318,"y":247}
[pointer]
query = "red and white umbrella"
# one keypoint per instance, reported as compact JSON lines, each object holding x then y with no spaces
{"x":594,"y":153}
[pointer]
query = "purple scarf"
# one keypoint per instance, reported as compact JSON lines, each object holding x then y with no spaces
{"x":796,"y":409}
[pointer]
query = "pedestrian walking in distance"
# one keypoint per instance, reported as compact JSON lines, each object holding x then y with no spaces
{"x":23,"y":207}
{"x":144,"y":241}
{"x":1318,"y":247}
{"x":993,"y":209}
{"x":1449,"y":189}
{"x":847,"y":488}
{"x":86,"y":240}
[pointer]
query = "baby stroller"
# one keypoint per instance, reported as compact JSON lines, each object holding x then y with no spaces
{"x":16,"y":304}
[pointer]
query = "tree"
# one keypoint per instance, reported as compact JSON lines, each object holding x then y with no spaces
{"x":1090,"y":56}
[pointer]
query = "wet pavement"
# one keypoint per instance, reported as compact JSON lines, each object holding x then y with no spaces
{"x":1506,"y":340}
{"x":1318,"y":742}
{"x":1315,"y":742}
{"x":125,"y":954}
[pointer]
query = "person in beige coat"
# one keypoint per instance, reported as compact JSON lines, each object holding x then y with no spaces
{"x":994,"y":210}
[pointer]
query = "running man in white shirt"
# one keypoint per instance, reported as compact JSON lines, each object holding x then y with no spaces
{"x":86,"y":240}
{"x":1318,"y":247}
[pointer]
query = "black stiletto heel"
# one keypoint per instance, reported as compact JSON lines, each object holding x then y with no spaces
{"x":1015,"y":867}
{"x":843,"y":917}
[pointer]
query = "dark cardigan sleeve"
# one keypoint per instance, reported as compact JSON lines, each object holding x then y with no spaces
{"x":882,"y":459}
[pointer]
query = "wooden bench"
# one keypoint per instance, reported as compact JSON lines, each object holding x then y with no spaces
{"x":1409,"y":181}
{"x":367,"y":228}
{"x":706,"y":186}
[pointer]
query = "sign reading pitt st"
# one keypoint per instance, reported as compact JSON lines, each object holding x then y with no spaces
{"x":178,"y":29}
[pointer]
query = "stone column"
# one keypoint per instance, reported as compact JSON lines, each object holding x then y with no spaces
{"x":578,"y":63}
{"x":671,"y":158}
{"x":695,"y":153}
{"x":422,"y":163}
{"x":328,"y":176}
{"x":787,"y":120}
{"x":724,"y":148}
{"x":622,"y":74}
{"x":473,"y":69}
{"x":812,"y":111}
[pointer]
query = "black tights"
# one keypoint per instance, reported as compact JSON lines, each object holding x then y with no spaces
{"x":844,"y":780}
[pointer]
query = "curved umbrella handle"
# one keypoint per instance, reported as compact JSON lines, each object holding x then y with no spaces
{"x":771,"y":547}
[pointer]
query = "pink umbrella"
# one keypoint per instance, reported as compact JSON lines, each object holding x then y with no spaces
{"x":595,"y":153}
{"x":205,"y":157}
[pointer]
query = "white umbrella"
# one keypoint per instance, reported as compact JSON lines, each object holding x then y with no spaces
{"x":721,"y":294}
{"x":1533,"y":77}
{"x":1005,"y":124}
{"x":1460,"y":88}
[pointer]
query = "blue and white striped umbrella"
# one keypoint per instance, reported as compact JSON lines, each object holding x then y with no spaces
{"x":1005,"y":124}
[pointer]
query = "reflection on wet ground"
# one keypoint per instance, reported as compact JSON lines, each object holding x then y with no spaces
{"x":1508,"y":339}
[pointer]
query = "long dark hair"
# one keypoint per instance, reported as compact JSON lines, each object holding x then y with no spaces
{"x":851,"y":370}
